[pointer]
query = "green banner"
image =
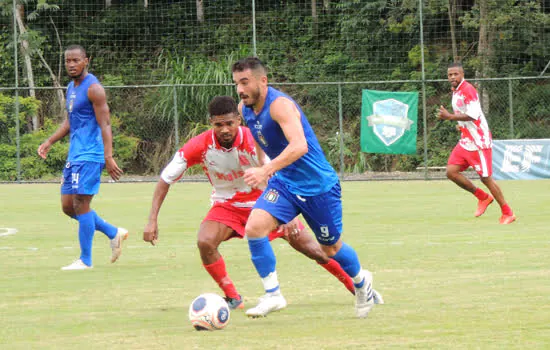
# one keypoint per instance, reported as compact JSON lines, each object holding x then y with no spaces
{"x":389,"y":122}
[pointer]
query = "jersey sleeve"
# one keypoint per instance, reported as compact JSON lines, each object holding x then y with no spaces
{"x":471,"y":100}
{"x":187,"y":156}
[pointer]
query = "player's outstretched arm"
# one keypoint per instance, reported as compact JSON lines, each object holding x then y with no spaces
{"x":150,"y":232}
{"x":60,"y":133}
{"x":97,"y":96}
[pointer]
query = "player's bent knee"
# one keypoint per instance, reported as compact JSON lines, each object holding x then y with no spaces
{"x":331,"y":250}
{"x":207,"y":244}
{"x":69,"y":211}
{"x":257,"y":229}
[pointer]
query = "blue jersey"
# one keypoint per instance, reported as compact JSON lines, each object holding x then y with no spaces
{"x":311,"y":174}
{"x":86,"y":140}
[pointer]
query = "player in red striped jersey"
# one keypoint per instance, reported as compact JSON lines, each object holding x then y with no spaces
{"x":474,"y":148}
{"x":225,"y":152}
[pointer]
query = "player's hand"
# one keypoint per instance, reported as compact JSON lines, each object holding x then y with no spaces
{"x":151,"y":233}
{"x":443,"y":113}
{"x":112,"y":168}
{"x":291,"y":229}
{"x":255,"y":177}
{"x":44,"y":148}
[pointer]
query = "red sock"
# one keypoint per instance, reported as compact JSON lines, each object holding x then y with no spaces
{"x":506,"y":210}
{"x":480,"y":194}
{"x":219,"y":274}
{"x":334,"y":268}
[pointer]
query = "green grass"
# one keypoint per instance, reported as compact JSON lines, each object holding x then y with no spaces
{"x":450,"y":281}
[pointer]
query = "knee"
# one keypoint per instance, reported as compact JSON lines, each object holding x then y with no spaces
{"x":486,"y":180}
{"x":255,"y":230}
{"x":68,"y":210}
{"x":451,"y":174}
{"x":314,"y":252}
{"x":330,"y":250}
{"x":206,"y":245}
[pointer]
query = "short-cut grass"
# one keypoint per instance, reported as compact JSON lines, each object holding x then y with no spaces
{"x":450,"y":281}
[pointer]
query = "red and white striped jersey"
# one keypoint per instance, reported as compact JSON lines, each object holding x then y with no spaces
{"x":475,"y":134}
{"x":224,"y":167}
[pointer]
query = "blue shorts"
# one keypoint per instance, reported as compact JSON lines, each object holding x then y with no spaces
{"x":81,"y":178}
{"x":323,"y":213}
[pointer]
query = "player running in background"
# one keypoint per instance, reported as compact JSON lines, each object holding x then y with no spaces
{"x":302,"y":182}
{"x":225,"y":152}
{"x":91,"y":150}
{"x":474,"y":148}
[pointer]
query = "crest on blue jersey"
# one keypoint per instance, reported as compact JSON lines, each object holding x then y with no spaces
{"x":389,"y":120}
{"x":71,"y":103}
{"x":271,"y":196}
{"x":262,"y":139}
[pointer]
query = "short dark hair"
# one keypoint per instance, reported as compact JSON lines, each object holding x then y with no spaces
{"x":77,"y":47}
{"x":221,"y":105}
{"x":455,"y":65}
{"x":252,"y":63}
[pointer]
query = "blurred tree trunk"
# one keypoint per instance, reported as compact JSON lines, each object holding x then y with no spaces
{"x":200,"y":11}
{"x":326,"y":6}
{"x":108,"y":3}
{"x":314,"y":15}
{"x":25,"y":50}
{"x":452,"y":17}
{"x":484,"y":51}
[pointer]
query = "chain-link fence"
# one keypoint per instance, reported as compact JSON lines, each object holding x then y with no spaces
{"x":162,"y":61}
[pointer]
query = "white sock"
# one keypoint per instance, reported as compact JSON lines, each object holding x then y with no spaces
{"x":271,"y":281}
{"x":360,"y":276}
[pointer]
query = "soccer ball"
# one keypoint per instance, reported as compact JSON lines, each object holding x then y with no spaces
{"x":209,"y":312}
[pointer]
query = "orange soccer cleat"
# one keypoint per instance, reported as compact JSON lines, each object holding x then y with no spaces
{"x":507,"y":219}
{"x":483,"y":204}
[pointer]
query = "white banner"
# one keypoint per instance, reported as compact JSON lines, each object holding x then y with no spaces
{"x":521,"y":159}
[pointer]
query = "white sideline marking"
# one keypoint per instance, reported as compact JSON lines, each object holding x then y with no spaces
{"x":7,"y":231}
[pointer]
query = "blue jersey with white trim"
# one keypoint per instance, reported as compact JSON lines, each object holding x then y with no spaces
{"x":311,"y":174}
{"x":86,"y":140}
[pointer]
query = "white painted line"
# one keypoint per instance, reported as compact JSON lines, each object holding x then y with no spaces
{"x":7,"y":231}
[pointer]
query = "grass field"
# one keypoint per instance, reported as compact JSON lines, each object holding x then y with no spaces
{"x":450,"y":281}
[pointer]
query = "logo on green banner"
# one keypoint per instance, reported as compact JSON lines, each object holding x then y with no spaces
{"x":388,"y":122}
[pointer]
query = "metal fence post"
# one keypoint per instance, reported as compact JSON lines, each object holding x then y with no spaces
{"x":424,"y":118}
{"x":341,"y":133}
{"x":511,"y":108}
{"x":176,"y":129}
{"x":254,"y":28}
{"x":16,"y":73}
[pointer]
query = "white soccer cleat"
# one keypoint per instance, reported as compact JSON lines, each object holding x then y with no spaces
{"x":378,"y":300}
{"x":116,"y":243}
{"x":77,"y":265}
{"x":364,"y":296}
{"x":268,"y":303}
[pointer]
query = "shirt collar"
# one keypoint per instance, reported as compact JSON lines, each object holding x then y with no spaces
{"x":459,"y":85}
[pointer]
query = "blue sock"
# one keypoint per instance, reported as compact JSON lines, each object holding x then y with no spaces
{"x":263,"y":258}
{"x":86,"y":229}
{"x":347,"y":258}
{"x":103,"y":226}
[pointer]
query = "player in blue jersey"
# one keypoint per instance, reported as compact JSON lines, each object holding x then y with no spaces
{"x":302,"y":182}
{"x":91,"y":149}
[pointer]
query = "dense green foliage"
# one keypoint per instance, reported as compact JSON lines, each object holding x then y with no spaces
{"x":346,"y":41}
